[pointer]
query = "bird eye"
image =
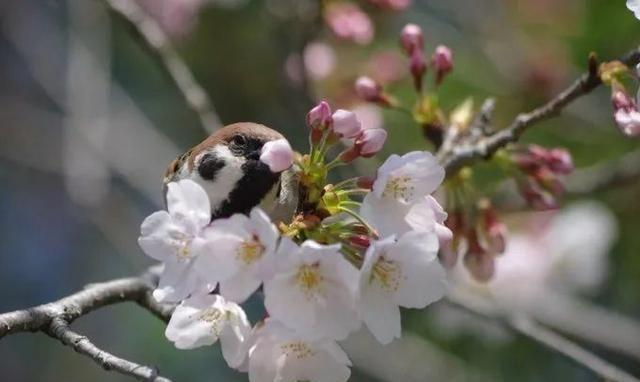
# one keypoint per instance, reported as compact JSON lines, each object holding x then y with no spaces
{"x":239,"y":140}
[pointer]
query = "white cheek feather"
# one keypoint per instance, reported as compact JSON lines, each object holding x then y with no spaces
{"x":226,"y":178}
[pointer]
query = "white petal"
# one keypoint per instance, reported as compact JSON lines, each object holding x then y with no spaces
{"x":286,"y":302}
{"x":188,"y":200}
{"x":234,"y":337}
{"x":240,"y":286}
{"x":424,"y":279}
{"x":190,"y":325}
{"x":425,"y":172}
{"x":216,"y":255}
{"x":177,"y":281}
{"x":156,"y":233}
{"x":336,"y":352}
{"x":266,"y":231}
{"x":262,"y":362}
{"x":386,"y":215}
{"x":634,"y":6}
{"x":380,"y":314}
{"x":321,"y":367}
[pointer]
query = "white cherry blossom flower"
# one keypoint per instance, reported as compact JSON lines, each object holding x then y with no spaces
{"x":409,"y":177}
{"x":279,"y":354}
{"x":634,"y":6}
{"x":203,"y":319}
{"x":313,"y":290}
{"x":400,"y":199}
{"x":399,"y":273}
{"x":175,"y":238}
{"x":239,"y":254}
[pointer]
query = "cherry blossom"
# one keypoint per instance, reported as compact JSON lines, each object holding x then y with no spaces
{"x":634,"y":6}
{"x":175,"y":238}
{"x":203,"y":319}
{"x":239,"y":254}
{"x":313,"y":290}
{"x":279,"y":354}
{"x":402,"y":183}
{"x":399,"y":273}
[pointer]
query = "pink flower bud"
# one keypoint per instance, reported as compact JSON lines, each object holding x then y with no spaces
{"x":621,"y":100}
{"x":482,"y":267}
{"x":417,"y":67}
{"x":368,"y":89}
{"x":442,"y":61}
{"x":548,"y":180}
{"x":346,"y":124}
{"x":320,"y":116}
{"x":277,"y":154}
{"x":493,"y":231}
{"x":365,"y":182}
{"x":411,"y":38}
{"x":628,"y":122}
{"x":360,"y":241}
{"x":480,"y":264}
{"x":537,"y":197}
{"x":370,"y":142}
{"x":560,"y":161}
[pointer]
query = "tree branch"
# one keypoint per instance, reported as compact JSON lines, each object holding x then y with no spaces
{"x":54,"y":319}
{"x":59,"y":329}
{"x":602,"y":176}
{"x":160,"y":44}
{"x":467,"y":153}
{"x":523,"y":325}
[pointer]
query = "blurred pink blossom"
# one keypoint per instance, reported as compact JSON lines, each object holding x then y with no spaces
{"x":319,"y":60}
{"x":388,"y":66}
{"x":349,"y":22}
{"x":395,"y":5}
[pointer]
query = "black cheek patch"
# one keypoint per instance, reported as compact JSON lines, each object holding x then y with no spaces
{"x":209,"y":166}
{"x":250,"y":189}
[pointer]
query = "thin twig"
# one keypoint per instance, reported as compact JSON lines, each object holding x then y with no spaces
{"x":522,"y":324}
{"x":466,"y":154}
{"x":59,"y":329}
{"x":603,"y":176}
{"x":195,"y":96}
{"x":54,"y":319}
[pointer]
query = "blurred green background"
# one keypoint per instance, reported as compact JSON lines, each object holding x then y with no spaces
{"x":89,"y":120}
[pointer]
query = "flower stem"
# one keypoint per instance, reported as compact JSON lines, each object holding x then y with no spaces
{"x":355,"y":215}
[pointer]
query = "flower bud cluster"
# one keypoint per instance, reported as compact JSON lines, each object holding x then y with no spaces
{"x":426,"y":111}
{"x":353,"y":254}
{"x":479,"y":235}
{"x":542,"y":170}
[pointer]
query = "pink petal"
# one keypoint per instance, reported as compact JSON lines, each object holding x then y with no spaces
{"x":277,"y":154}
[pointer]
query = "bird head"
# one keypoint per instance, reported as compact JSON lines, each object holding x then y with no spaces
{"x":228,"y":166}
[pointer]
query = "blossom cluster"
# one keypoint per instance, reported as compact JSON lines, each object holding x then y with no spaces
{"x":353,"y":254}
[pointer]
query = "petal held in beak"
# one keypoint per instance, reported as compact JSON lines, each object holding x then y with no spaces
{"x":277,"y":155}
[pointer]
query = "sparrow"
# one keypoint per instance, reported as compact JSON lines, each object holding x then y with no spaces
{"x":227,"y":165}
